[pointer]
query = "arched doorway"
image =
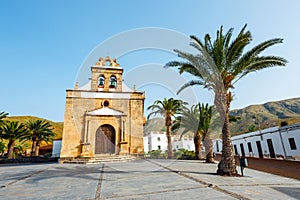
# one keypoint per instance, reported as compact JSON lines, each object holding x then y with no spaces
{"x":105,"y":140}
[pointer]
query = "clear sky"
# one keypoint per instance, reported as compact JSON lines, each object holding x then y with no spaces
{"x":44,"y":43}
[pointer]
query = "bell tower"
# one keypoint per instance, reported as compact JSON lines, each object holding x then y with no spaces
{"x":107,"y":75}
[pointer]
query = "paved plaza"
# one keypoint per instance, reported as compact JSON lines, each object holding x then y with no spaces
{"x":141,"y":179}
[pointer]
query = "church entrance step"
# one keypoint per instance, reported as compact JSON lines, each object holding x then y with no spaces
{"x":101,"y":159}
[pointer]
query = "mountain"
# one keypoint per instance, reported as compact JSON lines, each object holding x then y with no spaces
{"x":267,"y":115}
{"x":58,"y":126}
{"x":154,"y":124}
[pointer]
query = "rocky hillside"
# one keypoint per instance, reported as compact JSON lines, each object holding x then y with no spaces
{"x":267,"y":114}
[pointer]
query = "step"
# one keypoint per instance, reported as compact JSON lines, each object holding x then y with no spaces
{"x":101,"y":159}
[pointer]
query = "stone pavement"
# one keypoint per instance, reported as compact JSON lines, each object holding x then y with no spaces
{"x":142,"y":179}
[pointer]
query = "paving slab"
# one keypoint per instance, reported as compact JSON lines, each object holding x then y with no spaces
{"x":141,"y":179}
{"x":49,"y":181}
{"x":253,"y":185}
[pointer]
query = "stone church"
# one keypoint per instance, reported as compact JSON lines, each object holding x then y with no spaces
{"x":104,"y":116}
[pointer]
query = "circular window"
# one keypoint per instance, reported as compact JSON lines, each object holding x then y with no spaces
{"x":106,"y":103}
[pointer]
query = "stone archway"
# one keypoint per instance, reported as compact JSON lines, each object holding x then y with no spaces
{"x":105,"y":140}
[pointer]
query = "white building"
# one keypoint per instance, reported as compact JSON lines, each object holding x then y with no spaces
{"x":156,"y":141}
{"x":159,"y":141}
{"x":276,"y":142}
{"x":184,"y":143}
{"x":56,"y":148}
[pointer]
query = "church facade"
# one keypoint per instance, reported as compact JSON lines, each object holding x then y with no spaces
{"x":104,"y":116}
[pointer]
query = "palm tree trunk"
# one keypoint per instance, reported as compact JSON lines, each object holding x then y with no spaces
{"x":10,"y":147}
{"x":168,"y":127}
{"x":33,"y":147}
{"x":197,"y":142}
{"x":208,"y":149}
{"x":227,"y":164}
{"x":170,"y":153}
{"x":37,"y":149}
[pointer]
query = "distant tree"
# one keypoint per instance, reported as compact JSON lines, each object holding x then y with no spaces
{"x":284,"y":123}
{"x":38,"y":131}
{"x":167,"y":108}
{"x":12,"y":131}
{"x":251,"y":128}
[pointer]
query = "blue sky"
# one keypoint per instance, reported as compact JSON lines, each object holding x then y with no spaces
{"x":44,"y":43}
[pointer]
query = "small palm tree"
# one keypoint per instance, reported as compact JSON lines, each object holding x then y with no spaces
{"x":205,"y":117}
{"x":12,"y":131}
{"x":197,"y":120}
{"x":188,"y":121}
{"x":218,"y":66}
{"x":39,"y":130}
{"x":167,"y":108}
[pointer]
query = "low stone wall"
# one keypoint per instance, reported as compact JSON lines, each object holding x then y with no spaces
{"x":287,"y":168}
{"x":28,"y":160}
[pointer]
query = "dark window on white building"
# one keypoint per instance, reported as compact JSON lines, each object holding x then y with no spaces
{"x":235,"y":150}
{"x":292,"y":144}
{"x":249,"y":147}
{"x":158,"y":139}
{"x":158,"y":147}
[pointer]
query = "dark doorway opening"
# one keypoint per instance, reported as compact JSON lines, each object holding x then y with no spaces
{"x":271,"y":148}
{"x":242,"y":150}
{"x":259,"y":149}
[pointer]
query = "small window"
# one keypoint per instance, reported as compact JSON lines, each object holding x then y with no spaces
{"x":112,"y":82}
{"x":158,"y":147}
{"x":158,"y":139}
{"x":101,"y":81}
{"x":106,"y":103}
{"x":292,"y":144}
{"x":249,"y":147}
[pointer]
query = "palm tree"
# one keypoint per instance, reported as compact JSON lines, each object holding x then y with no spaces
{"x":197,"y":120}
{"x":167,"y":108}
{"x":218,"y":66}
{"x":188,"y":121}
{"x":39,"y":130}
{"x":205,"y":117}
{"x":2,"y":116}
{"x":12,"y":131}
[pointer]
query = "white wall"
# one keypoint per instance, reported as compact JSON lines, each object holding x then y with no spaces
{"x":56,"y":148}
{"x":278,"y":135}
{"x":155,"y":141}
{"x":184,"y":143}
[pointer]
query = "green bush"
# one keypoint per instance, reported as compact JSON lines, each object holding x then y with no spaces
{"x":155,"y":154}
{"x":188,"y":155}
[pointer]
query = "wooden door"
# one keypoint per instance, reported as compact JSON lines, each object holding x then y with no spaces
{"x":105,"y":140}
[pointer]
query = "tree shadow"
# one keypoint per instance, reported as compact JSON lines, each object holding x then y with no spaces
{"x":290,"y":191}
